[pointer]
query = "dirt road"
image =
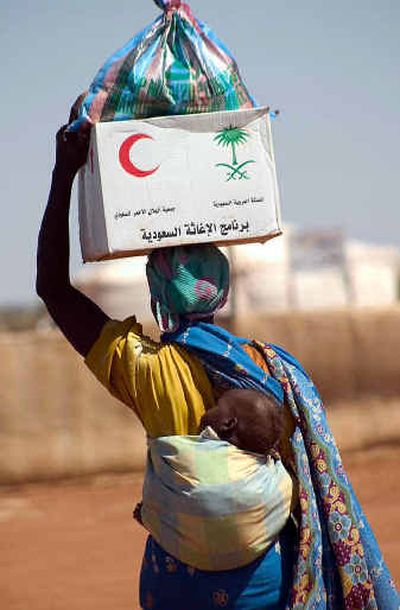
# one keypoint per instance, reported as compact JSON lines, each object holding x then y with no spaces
{"x":74,"y":546}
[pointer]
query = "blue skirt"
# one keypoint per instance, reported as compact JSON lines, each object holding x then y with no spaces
{"x":168,"y":584}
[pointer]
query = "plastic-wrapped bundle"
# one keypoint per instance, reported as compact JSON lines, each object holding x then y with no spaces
{"x":174,"y":66}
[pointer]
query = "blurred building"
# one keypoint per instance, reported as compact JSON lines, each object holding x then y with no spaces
{"x":314,"y":269}
{"x":119,"y":287}
{"x":374,"y":273}
{"x":298,"y":270}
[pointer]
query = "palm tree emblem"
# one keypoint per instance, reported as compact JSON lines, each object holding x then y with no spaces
{"x":233,"y":137}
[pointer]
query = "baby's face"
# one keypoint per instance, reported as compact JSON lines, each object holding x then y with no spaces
{"x":217,"y":416}
{"x":246,"y":419}
{"x":230,"y":418}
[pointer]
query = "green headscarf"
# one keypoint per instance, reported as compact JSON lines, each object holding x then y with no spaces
{"x":190,"y":282}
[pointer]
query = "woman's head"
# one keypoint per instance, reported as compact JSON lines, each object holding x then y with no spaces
{"x":186,"y":282}
{"x":248,"y":419}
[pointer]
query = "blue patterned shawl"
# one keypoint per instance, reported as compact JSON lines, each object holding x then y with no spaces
{"x":338,"y":564}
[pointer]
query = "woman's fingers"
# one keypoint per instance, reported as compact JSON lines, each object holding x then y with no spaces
{"x":74,"y":112}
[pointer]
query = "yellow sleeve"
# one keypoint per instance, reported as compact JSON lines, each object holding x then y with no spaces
{"x":166,"y":387}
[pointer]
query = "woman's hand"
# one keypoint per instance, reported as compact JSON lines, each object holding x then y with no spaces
{"x":72,"y":146}
{"x":71,"y":150}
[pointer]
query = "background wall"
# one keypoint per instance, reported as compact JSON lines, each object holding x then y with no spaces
{"x":57,"y":421}
{"x":349,"y":353}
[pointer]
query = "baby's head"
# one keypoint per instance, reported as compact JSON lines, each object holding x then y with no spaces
{"x":248,"y":419}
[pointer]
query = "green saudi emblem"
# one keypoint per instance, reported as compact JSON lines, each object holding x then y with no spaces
{"x":233,"y":137}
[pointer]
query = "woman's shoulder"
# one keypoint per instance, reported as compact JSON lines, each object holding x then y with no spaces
{"x":123,"y":335}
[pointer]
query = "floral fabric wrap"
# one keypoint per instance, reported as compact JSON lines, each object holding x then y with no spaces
{"x":339,"y":564}
{"x":176,"y":65}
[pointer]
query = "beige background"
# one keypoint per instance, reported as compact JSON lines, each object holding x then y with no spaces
{"x":56,"y":421}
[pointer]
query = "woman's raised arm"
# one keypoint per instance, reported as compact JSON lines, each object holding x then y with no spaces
{"x":79,"y":318}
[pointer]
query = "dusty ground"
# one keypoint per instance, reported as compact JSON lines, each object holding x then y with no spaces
{"x":74,"y":546}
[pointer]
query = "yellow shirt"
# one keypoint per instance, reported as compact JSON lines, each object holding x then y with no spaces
{"x":166,"y":386}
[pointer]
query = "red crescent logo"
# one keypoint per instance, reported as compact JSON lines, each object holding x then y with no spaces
{"x":124,"y":156}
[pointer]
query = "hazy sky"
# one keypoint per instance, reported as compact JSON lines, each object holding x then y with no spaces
{"x":331,"y":67}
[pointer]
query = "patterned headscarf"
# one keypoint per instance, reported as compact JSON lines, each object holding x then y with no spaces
{"x":190,"y":282}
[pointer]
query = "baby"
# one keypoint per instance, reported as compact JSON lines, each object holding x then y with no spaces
{"x":219,"y":500}
{"x":247,"y":419}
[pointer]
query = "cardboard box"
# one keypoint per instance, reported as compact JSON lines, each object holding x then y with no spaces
{"x":177,"y":180}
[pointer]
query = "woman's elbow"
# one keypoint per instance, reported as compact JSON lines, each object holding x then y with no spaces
{"x":49,"y":290}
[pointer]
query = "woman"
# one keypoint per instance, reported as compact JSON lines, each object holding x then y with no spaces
{"x":170,"y":386}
